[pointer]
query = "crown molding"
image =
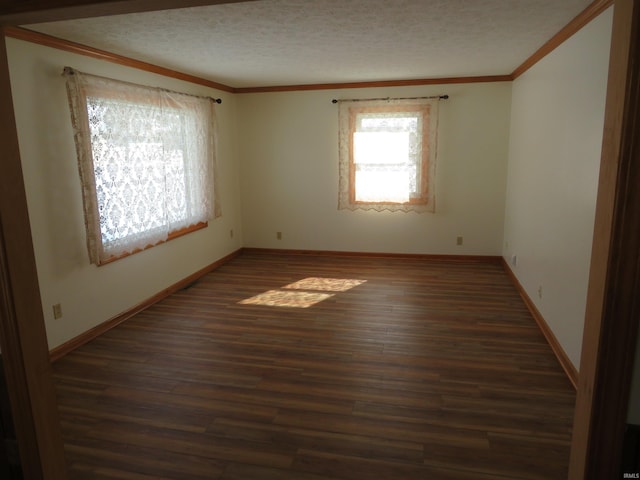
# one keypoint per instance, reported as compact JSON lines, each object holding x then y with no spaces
{"x":583,"y":18}
{"x":73,"y":47}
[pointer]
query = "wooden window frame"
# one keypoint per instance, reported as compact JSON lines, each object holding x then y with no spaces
{"x":424,"y":112}
{"x":106,"y":93}
{"x":172,"y":236}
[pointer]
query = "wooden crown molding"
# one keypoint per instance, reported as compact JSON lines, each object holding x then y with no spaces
{"x":73,"y":47}
{"x":380,"y":83}
{"x":583,"y":18}
{"x":587,"y":15}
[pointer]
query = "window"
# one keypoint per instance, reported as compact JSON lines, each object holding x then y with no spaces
{"x":387,"y":154}
{"x":146,"y":159}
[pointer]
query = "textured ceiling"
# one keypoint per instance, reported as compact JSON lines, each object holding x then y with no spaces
{"x":294,"y":42}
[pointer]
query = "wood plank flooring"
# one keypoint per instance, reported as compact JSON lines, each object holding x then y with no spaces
{"x":427,"y":370}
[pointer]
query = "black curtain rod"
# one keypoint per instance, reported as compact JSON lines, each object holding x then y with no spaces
{"x":442,"y":97}
{"x":71,"y":71}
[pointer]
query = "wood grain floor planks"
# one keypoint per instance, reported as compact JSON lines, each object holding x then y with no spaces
{"x":429,"y":369}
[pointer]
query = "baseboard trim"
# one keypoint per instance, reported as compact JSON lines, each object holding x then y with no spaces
{"x":67,"y":347}
{"x":342,"y":253}
{"x":553,"y":342}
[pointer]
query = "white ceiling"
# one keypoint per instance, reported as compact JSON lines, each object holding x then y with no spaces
{"x":295,"y":42}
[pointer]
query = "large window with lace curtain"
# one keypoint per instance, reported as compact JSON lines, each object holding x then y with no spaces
{"x":387,"y":154}
{"x":146,"y":158}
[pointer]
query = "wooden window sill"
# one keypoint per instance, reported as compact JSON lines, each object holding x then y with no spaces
{"x":172,"y":235}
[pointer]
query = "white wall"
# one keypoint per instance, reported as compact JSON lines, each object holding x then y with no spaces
{"x":289,"y":156}
{"x":557,"y":118}
{"x":91,"y":295}
{"x":279,"y":168}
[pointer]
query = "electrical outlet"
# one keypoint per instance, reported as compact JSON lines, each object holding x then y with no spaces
{"x":539,"y":291}
{"x":279,"y":235}
{"x":231,"y":233}
{"x":514,"y":260}
{"x":459,"y":240}
{"x":57,"y":311}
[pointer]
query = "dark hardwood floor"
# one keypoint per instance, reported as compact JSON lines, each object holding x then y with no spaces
{"x":425,"y":369}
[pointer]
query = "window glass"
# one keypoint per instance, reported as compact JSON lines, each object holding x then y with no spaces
{"x":146,"y":160}
{"x":387,"y":155}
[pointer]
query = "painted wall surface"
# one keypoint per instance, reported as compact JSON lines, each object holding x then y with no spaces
{"x":557,"y":119}
{"x":91,"y":295}
{"x":288,"y":145}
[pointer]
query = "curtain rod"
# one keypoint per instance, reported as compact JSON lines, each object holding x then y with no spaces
{"x":442,"y":97}
{"x":71,"y":71}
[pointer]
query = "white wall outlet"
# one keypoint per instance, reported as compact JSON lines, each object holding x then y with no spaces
{"x":539,"y":291}
{"x":514,"y":260}
{"x":459,"y":240}
{"x":57,"y":311}
{"x":279,"y":235}
{"x":231,"y":233}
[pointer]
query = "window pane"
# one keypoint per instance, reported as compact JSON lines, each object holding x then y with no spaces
{"x":386,"y":156}
{"x":389,"y":121}
{"x":176,"y":194}
{"x":383,"y":185}
{"x":381,"y":147}
{"x":146,"y":159}
{"x":140,"y":181}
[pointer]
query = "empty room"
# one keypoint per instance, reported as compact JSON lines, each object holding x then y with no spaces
{"x":287,"y":239}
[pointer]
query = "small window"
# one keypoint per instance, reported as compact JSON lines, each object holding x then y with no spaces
{"x":387,"y":155}
{"x":146,"y":162}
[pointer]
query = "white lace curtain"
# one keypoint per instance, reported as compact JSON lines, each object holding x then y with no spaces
{"x":146,"y":159}
{"x":387,"y":154}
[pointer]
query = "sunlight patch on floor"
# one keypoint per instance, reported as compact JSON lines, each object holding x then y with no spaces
{"x":284,"y":298}
{"x":303,"y":293}
{"x":326,"y":284}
